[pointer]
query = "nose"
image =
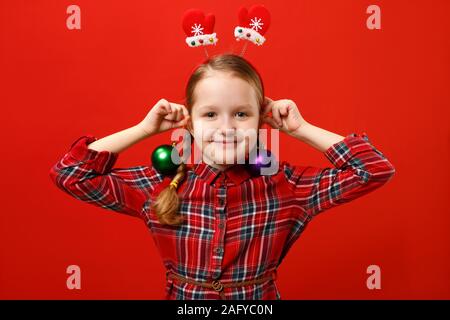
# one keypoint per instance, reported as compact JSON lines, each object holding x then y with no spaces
{"x":227,"y":126}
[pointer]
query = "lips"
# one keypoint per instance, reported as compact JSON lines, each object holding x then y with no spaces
{"x":232,"y":140}
{"x":226,"y":141}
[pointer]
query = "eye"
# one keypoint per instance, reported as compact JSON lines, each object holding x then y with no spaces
{"x":241,"y":114}
{"x":209,"y":114}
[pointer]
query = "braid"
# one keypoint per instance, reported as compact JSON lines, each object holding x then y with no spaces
{"x":167,"y":203}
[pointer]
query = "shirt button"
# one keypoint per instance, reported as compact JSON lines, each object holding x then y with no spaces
{"x":221,"y":201}
{"x":221,"y":225}
{"x":216,"y":274}
{"x":218,"y":250}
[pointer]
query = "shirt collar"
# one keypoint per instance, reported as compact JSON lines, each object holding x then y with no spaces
{"x":236,"y":173}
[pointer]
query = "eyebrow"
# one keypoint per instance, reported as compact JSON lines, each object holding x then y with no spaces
{"x":213,"y":106}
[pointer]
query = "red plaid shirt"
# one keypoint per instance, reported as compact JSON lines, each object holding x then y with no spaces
{"x":238,"y":226}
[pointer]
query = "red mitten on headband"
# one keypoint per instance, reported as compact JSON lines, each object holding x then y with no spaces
{"x":253,"y":24}
{"x":199,"y":28}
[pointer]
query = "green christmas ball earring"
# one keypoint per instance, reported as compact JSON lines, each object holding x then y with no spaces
{"x":166,"y":159}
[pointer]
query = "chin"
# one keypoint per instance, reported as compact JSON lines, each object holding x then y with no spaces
{"x":225,"y":153}
{"x":232,"y":159}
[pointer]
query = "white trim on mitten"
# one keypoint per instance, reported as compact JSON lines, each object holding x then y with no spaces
{"x":249,"y":34}
{"x":202,"y":40}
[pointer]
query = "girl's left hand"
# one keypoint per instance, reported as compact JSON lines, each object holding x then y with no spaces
{"x":285,"y":115}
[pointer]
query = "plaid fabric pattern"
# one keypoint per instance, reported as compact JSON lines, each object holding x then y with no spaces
{"x":238,"y":226}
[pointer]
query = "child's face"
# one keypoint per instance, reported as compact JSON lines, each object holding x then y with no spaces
{"x":226,"y":109}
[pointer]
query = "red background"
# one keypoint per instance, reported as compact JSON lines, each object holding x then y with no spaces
{"x":58,"y":84}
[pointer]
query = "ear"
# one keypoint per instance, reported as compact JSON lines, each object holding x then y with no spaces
{"x":190,"y":127}
{"x":260,"y":121}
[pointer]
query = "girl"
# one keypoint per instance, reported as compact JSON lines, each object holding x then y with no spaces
{"x":222,"y":231}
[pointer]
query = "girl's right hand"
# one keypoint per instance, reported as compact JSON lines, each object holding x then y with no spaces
{"x":164,"y":116}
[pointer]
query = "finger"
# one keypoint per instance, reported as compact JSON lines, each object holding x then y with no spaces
{"x":267,"y":107}
{"x":172,"y":116}
{"x":177,"y":105}
{"x":174,"y":113}
{"x":180,"y":114}
{"x":182,"y":122}
{"x":162,"y":109}
{"x":181,"y":108}
{"x":165,"y":103}
{"x":182,"y":111}
{"x":270,"y":121}
{"x":284,"y":110}
{"x":276,"y":115}
{"x":185,"y":110}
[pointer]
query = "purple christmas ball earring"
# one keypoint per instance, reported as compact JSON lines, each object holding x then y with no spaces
{"x":261,"y":158}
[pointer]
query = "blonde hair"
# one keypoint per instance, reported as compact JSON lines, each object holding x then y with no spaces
{"x":167,"y":203}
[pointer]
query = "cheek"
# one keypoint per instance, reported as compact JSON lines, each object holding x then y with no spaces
{"x":202,"y":130}
{"x":252,"y":123}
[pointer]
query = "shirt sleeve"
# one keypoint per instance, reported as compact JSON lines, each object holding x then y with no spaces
{"x":88,"y":175}
{"x":359,"y":168}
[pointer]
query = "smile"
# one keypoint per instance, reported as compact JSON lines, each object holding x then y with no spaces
{"x":227,"y":143}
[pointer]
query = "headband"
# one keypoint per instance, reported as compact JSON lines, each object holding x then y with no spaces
{"x":252,"y":25}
